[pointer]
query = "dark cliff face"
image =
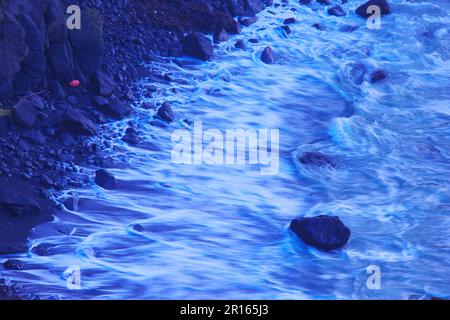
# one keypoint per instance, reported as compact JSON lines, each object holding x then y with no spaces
{"x":37,"y":47}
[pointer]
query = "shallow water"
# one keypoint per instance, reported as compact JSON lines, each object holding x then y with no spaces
{"x":214,"y":231}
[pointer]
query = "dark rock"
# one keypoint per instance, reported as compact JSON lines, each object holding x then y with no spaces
{"x":137,"y":227}
{"x":18,"y":204}
{"x":103,"y":83}
{"x":349,"y":28}
{"x":131,"y":137}
{"x":336,"y":11}
{"x":100,"y":101}
{"x":318,"y":26}
{"x":322,"y":232}
{"x":304,"y":1}
{"x":378,"y":75}
{"x":382,"y":4}
{"x":253,"y":40}
{"x":118,"y":109}
{"x":24,"y":114}
{"x":267,"y":56}
{"x":240,"y":44}
{"x":37,"y":137}
{"x":286,"y":29}
{"x":198,"y":46}
{"x":324,"y":2}
{"x":75,"y":122}
{"x":166,"y":113}
{"x":357,"y":73}
{"x":247,"y":21}
{"x":13,"y":264}
{"x":105,"y":179}
{"x":290,"y":20}
{"x":42,"y":249}
{"x":221,"y":36}
{"x":317,"y":159}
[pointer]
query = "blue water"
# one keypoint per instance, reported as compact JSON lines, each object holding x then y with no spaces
{"x":222,"y":231}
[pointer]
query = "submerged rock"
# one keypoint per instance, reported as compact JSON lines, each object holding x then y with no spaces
{"x":382,"y":4}
{"x":318,"y":159}
{"x":322,"y":232}
{"x":240,"y":44}
{"x":198,"y":46}
{"x":290,"y":20}
{"x":13,"y":264}
{"x":267,"y":56}
{"x":378,"y":75}
{"x":105,"y":179}
{"x":247,"y":21}
{"x":166,"y":113}
{"x":337,"y":11}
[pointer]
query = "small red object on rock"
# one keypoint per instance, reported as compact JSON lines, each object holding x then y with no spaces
{"x":74,"y":83}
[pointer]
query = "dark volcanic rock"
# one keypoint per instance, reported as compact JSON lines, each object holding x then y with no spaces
{"x":221,"y":36}
{"x":166,"y":113}
{"x":13,"y":264}
{"x":322,"y":232}
{"x":18,"y":204}
{"x":378,"y":75}
{"x":198,"y":46}
{"x":289,"y":20}
{"x":24,"y":113}
{"x":267,"y":56}
{"x":324,"y":2}
{"x":76,"y":123}
{"x":383,"y":4}
{"x":318,"y":159}
{"x":240,"y":44}
{"x":118,"y":109}
{"x":336,"y":11}
{"x":105,"y":179}
{"x":131,"y":136}
{"x":247,"y":21}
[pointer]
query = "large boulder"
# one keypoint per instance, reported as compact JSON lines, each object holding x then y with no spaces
{"x":267,"y":56}
{"x":74,"y":121}
{"x":198,"y":46}
{"x":118,"y":109}
{"x":382,"y":4}
{"x":105,"y":179}
{"x":166,"y":113}
{"x":322,"y":232}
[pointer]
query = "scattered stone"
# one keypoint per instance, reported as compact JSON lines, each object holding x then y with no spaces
{"x":137,"y":227}
{"x":324,"y":2}
{"x":336,"y":11}
{"x":382,"y":4}
{"x":322,"y":232}
{"x":286,"y":29}
{"x":166,"y":113}
{"x":317,"y":159}
{"x":198,"y":46}
{"x":24,"y":113}
{"x":131,"y":136}
{"x":377,"y":75}
{"x":105,"y":179}
{"x":267,"y":56}
{"x":290,"y":20}
{"x":304,"y":1}
{"x":240,"y":44}
{"x":319,"y":26}
{"x":13,"y":264}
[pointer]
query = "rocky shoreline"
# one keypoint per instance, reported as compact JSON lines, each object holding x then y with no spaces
{"x":58,"y":86}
